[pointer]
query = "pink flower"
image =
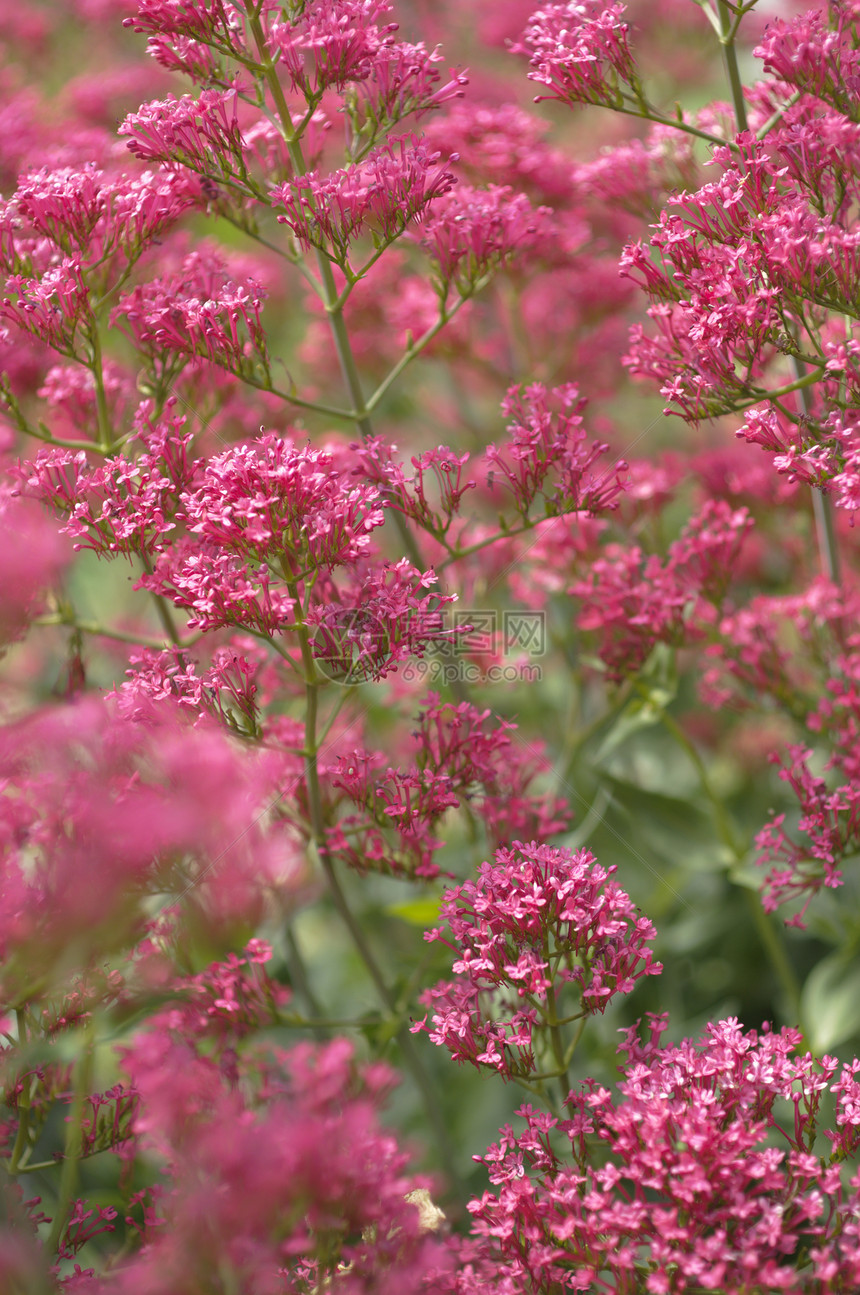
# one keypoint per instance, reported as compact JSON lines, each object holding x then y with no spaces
{"x":547,"y":454}
{"x":202,"y":134}
{"x":32,"y":558}
{"x":473,"y":232}
{"x":817,"y":52}
{"x":378,"y":197}
{"x":538,"y":919}
{"x":379,"y":618}
{"x":331,"y":43}
{"x":690,"y":1188}
{"x":579,"y":51}
{"x":633,"y":602}
{"x":200,"y":312}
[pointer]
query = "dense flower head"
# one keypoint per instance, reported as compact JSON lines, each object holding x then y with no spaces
{"x":202,"y":133}
{"x":486,"y":765}
{"x":201,"y":20}
{"x":291,"y":506}
{"x":90,"y":213}
{"x":198,"y":312}
{"x":471,"y":232}
{"x":300,"y":1177}
{"x":579,"y":51}
{"x":632,"y":601}
{"x":123,"y":506}
{"x":226,"y":689}
{"x":378,"y":197}
{"x":54,"y":307}
{"x":817,"y":52}
{"x":404,"y":81}
{"x":381,"y":615}
{"x":691,"y":1190}
{"x":547,"y":454}
{"x":220,"y":589}
{"x":538,"y":921}
{"x":333,"y":42}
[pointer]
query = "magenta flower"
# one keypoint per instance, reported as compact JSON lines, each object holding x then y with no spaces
{"x":698,"y":1175}
{"x":381,"y":616}
{"x":579,"y":51}
{"x":539,"y":928}
{"x":473,"y":232}
{"x":817,"y":52}
{"x":547,"y":454}
{"x":330,"y":43}
{"x":200,"y":312}
{"x":632,"y":602}
{"x":202,"y":134}
{"x":377,"y":198}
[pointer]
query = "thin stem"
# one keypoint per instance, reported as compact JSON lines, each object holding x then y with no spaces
{"x":162,"y":610}
{"x":301,"y":982}
{"x":555,"y":1037}
{"x":102,"y":631}
{"x":779,"y":958}
{"x":727,"y":40}
{"x":828,"y":547}
{"x":649,"y":113}
{"x":74,"y":1139}
{"x":315,"y":406}
{"x":457,"y":554}
{"x":22,"y":1134}
{"x":320,"y":842}
{"x":776,"y":117}
{"x":411,"y":353}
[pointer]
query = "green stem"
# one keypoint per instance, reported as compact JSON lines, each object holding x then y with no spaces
{"x":828,"y":547}
{"x":648,"y":113}
{"x":105,"y":437}
{"x":301,"y":982}
{"x":556,"y":1040}
{"x":445,"y":316}
{"x":776,"y":952}
{"x":102,"y":631}
{"x":22,"y":1134}
{"x":457,"y":554}
{"x":162,"y":610}
{"x":776,"y":117}
{"x":319,"y":837}
{"x":74,"y":1139}
{"x":728,"y":32}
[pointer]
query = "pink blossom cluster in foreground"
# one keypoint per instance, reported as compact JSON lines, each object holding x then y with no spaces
{"x":378,"y":659}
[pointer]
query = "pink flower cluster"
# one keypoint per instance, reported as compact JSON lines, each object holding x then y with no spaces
{"x":706,"y":1177}
{"x":631,"y":602}
{"x":376,"y":198}
{"x":579,"y":51}
{"x":547,"y":454}
{"x":543,"y":937}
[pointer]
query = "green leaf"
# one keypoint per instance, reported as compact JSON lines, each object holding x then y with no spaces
{"x":657,"y":687}
{"x":830,"y":1002}
{"x":417,"y":912}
